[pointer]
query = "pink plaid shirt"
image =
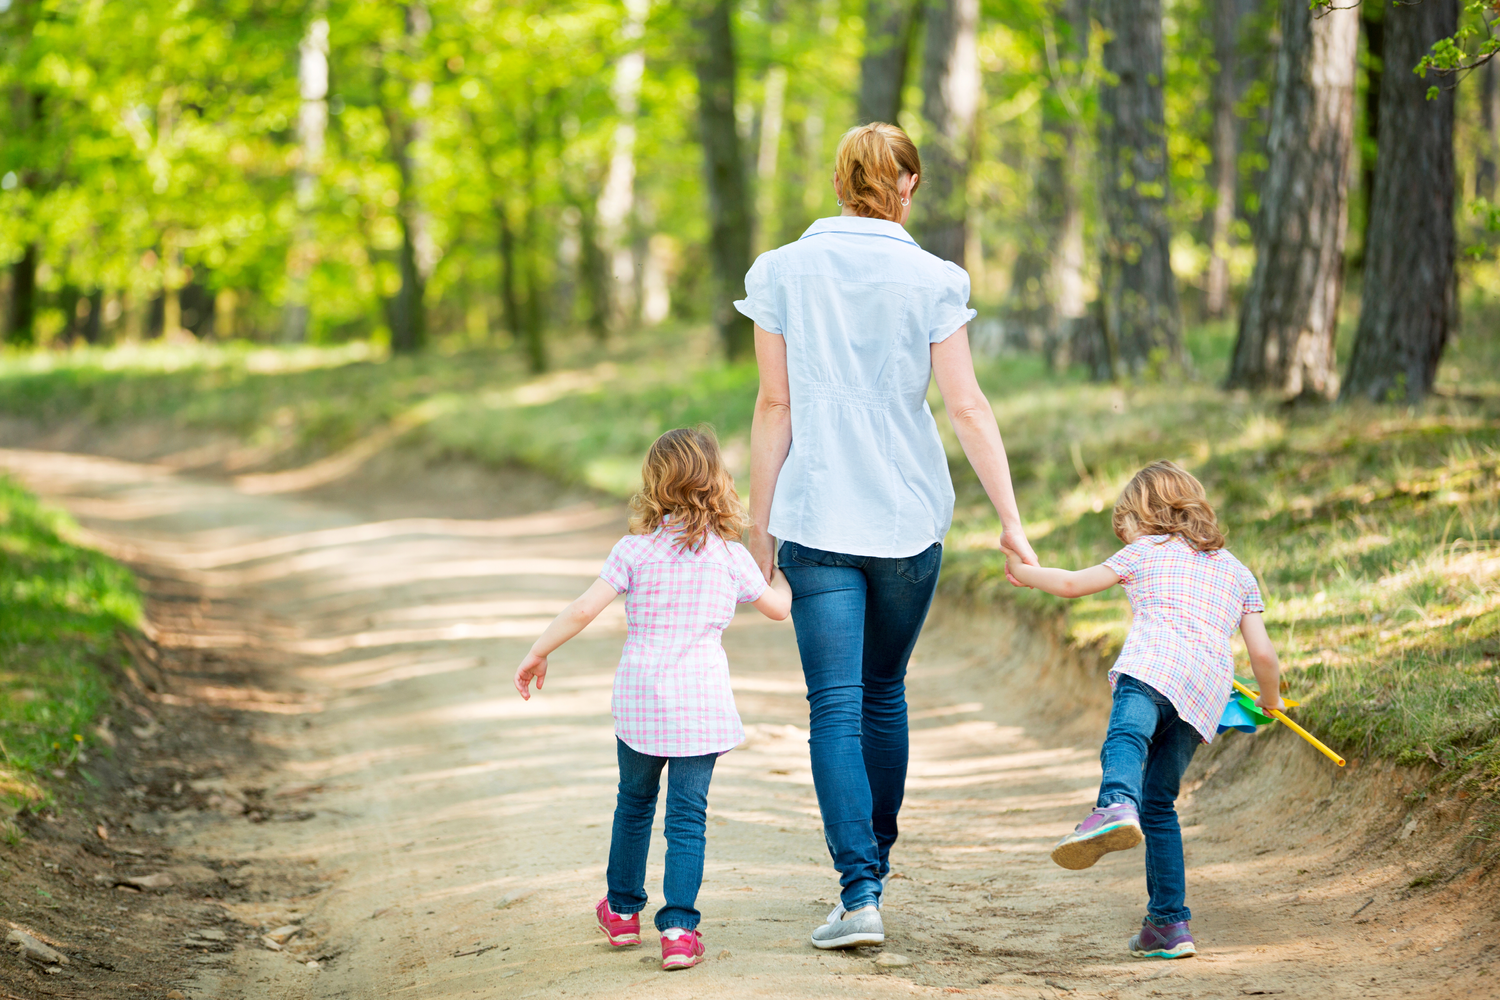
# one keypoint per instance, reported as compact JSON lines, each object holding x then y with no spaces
{"x":672,"y":696}
{"x":1186,"y":605}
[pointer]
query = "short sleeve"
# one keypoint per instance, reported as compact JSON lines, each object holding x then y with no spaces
{"x":749,"y":582}
{"x":617,"y":567}
{"x":762,"y":302}
{"x":1254,"y":604}
{"x":951,"y":310}
{"x":1125,"y":561}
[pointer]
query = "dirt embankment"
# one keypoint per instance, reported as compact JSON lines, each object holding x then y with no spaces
{"x":350,"y":802}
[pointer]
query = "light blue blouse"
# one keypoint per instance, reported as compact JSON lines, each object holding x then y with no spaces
{"x":859,"y":305}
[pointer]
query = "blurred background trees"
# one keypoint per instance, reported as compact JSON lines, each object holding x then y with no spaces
{"x":448,"y":173}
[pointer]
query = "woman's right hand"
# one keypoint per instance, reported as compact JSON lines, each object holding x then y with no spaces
{"x":763,"y":550}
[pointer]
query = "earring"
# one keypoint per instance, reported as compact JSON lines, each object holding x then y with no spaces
{"x":906,"y":201}
{"x":841,"y":203}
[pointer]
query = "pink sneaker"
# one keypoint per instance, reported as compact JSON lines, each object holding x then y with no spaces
{"x":683,"y":953}
{"x":621,"y":930}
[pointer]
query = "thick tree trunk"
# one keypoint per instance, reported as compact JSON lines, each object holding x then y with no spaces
{"x":769,"y":154}
{"x":1142,"y":321}
{"x":20,"y":325}
{"x":1409,"y":293}
{"x":617,"y":201}
{"x":1226,"y":150}
{"x":729,"y":208}
{"x":312,"y":125}
{"x":889,"y":28}
{"x":1372,"y":22}
{"x":1290,"y":314}
{"x":1489,"y":131}
{"x":417,"y":257}
{"x":1047,"y":294}
{"x":950,"y":105}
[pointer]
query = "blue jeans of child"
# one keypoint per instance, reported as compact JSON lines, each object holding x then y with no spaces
{"x":635,"y":808}
{"x":1145,"y":753}
{"x":857,"y":619}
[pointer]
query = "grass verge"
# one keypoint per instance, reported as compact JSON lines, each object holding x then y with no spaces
{"x":62,"y":607}
{"x":1375,"y":531}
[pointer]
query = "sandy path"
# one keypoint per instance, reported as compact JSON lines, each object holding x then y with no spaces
{"x":449,"y":816}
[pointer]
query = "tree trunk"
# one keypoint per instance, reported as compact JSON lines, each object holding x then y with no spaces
{"x":1047,"y":279}
{"x":1409,"y":291}
{"x":20,"y":327}
{"x":889,"y":28}
{"x":617,"y":201}
{"x":1372,"y":21}
{"x":408,"y":312}
{"x":1290,"y":315}
{"x":1226,"y":151}
{"x":728,"y":205}
{"x":312,"y":125}
{"x":510,"y":305}
{"x":1142,"y":320}
{"x":1489,"y":134}
{"x":532,"y":319}
{"x":950,"y":105}
{"x":769,"y":154}
{"x":593,"y":266}
{"x":92,"y":327}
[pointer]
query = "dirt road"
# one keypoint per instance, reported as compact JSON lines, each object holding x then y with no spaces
{"x":458,"y":836}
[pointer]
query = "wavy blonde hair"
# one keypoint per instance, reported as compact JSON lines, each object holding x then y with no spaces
{"x":684,"y":482}
{"x":870,"y":161}
{"x":1163,"y":499}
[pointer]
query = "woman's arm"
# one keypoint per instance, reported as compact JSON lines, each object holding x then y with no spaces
{"x":770,"y":440}
{"x":974,"y":423}
{"x":1062,"y":582}
{"x":569,"y":622}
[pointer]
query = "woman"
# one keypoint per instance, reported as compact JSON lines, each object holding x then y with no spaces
{"x":848,"y":472}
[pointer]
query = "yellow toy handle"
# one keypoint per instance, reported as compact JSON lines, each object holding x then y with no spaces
{"x":1309,"y":737}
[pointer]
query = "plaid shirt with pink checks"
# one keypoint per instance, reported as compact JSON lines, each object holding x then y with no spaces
{"x":672,"y":696}
{"x":1186,"y":605}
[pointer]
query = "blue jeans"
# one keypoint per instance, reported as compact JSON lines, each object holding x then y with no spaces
{"x":635,"y":808}
{"x":857,"y":619}
{"x":1145,"y":753}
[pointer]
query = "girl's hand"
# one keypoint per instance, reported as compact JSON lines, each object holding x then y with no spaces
{"x":1010,"y":564}
{"x":532,"y":667}
{"x":1270,"y":701}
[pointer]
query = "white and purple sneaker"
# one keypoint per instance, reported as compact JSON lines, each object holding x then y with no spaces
{"x":1171,"y":941}
{"x":1111,"y":828}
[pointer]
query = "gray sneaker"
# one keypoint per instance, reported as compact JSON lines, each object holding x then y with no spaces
{"x":852,"y":929}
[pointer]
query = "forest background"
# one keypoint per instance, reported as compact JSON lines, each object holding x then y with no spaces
{"x":325,"y":227}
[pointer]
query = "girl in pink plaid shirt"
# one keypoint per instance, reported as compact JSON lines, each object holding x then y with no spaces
{"x":683,"y":573}
{"x":1171,"y":682}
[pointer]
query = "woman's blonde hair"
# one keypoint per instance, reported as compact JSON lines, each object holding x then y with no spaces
{"x":684,"y":482}
{"x":1162,"y":499}
{"x":870,"y":160}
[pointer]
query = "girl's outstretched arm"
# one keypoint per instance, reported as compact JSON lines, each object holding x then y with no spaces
{"x":776,"y":602}
{"x":565,"y":626}
{"x":1062,"y":582}
{"x":1263,"y":661}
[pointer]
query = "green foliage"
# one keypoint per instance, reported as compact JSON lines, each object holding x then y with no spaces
{"x":62,"y":608}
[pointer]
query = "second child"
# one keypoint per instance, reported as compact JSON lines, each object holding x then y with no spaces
{"x":1188,"y":595}
{"x":682,"y":573}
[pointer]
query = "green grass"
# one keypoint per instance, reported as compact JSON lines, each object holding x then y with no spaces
{"x":1375,"y":531}
{"x":62,"y":607}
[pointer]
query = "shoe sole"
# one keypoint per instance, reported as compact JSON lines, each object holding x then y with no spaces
{"x":619,"y":940}
{"x":1187,"y":950}
{"x":1076,"y":855}
{"x":852,"y":940}
{"x":679,"y":962}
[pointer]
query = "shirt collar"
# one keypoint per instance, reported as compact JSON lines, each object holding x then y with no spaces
{"x":857,"y":225}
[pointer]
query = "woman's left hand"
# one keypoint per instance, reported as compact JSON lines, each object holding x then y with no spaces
{"x":763,"y":550}
{"x":1014,"y":543}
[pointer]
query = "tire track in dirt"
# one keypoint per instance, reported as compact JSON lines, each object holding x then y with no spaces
{"x":463,"y":833}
